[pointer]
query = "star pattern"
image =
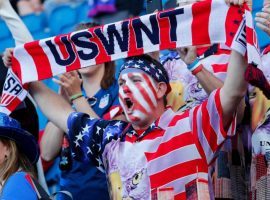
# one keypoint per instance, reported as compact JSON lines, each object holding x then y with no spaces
{"x":155,"y":71}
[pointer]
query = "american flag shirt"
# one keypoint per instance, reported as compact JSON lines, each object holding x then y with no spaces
{"x":174,"y":152}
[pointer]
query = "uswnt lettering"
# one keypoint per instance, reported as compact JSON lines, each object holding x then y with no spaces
{"x":204,"y":22}
{"x":113,"y":37}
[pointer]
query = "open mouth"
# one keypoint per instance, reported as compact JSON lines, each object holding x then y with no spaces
{"x":129,"y":103}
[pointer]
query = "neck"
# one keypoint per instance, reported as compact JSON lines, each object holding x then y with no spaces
{"x":91,"y":82}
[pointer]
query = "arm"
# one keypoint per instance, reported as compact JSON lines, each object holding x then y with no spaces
{"x":54,"y":107}
{"x":207,"y":80}
{"x":14,"y":23}
{"x":71,"y":83}
{"x":51,"y":142}
{"x":234,"y":88}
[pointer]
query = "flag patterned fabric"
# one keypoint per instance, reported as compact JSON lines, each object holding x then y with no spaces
{"x":205,"y":22}
{"x":13,"y":93}
{"x":172,"y":153}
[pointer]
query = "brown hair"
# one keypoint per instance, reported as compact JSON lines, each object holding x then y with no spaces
{"x":109,"y":72}
{"x":16,"y":160}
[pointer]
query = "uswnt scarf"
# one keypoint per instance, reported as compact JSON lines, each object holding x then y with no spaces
{"x":13,"y":93}
{"x":201,"y":23}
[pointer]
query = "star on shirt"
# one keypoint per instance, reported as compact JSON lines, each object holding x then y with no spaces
{"x":86,"y":128}
{"x":130,"y":61}
{"x":98,"y":129}
{"x":99,"y":162}
{"x":80,"y":136}
{"x":157,"y":75}
{"x":89,"y":151}
{"x":108,"y":136}
{"x":118,"y":124}
{"x":77,"y":143}
{"x":159,"y":71}
{"x":140,"y":61}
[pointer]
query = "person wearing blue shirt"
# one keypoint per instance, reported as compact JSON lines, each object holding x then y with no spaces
{"x":18,"y":154}
{"x":96,"y":88}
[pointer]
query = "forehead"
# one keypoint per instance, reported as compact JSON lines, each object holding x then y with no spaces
{"x":130,"y":73}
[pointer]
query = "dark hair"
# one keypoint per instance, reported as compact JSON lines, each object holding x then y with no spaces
{"x":109,"y":74}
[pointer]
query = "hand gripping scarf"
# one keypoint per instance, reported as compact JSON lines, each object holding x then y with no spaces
{"x":205,"y":22}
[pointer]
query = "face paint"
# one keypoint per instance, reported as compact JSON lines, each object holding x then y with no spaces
{"x":137,"y":95}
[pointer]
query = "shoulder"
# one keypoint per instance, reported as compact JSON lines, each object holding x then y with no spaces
{"x":18,"y":182}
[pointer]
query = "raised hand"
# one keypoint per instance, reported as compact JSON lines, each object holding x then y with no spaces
{"x":70,"y":82}
{"x":263,"y":19}
{"x":7,"y":56}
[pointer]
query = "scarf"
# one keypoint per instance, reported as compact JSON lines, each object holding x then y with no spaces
{"x":205,"y":22}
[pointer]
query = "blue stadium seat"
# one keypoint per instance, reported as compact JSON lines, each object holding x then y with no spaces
{"x":6,"y":39}
{"x":37,"y":25}
{"x":82,"y":11}
{"x":62,"y":19}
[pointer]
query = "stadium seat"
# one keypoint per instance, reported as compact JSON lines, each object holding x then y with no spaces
{"x":62,"y":19}
{"x":6,"y":39}
{"x":82,"y":11}
{"x":37,"y":25}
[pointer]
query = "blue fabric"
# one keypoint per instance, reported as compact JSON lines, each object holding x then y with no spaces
{"x":86,"y":181}
{"x":105,"y":99}
{"x":18,"y":187}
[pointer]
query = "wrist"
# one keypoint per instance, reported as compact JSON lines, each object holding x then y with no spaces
{"x":75,"y":96}
{"x":195,"y":66}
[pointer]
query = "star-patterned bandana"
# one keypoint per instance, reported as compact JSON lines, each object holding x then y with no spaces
{"x":157,"y":72}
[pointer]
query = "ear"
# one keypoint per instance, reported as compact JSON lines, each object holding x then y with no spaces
{"x":161,"y":90}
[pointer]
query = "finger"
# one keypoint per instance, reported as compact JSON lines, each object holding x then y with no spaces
{"x":262,"y":14}
{"x":56,"y":81}
{"x":264,"y":28}
{"x":266,"y":9}
{"x":74,"y":73}
{"x":262,"y":21}
{"x":63,"y":77}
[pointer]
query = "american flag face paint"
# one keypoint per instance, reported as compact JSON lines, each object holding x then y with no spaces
{"x":137,"y":95}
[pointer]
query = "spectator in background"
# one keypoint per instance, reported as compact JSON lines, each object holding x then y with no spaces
{"x":50,"y":5}
{"x":260,"y":166}
{"x":124,"y":9}
{"x":26,"y":7}
{"x":18,"y":155}
{"x":98,"y":89}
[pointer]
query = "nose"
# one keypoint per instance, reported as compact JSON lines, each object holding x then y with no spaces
{"x":126,"y":89}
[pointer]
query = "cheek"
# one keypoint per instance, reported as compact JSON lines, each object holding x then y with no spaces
{"x":3,"y":152}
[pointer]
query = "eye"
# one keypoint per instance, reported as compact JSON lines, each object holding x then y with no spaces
{"x":136,"y":80}
{"x":120,"y":82}
{"x":137,"y":178}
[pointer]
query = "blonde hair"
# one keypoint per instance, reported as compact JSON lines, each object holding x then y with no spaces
{"x":15,"y":161}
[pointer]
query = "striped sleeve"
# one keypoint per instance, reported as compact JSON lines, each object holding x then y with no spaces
{"x":207,"y":125}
